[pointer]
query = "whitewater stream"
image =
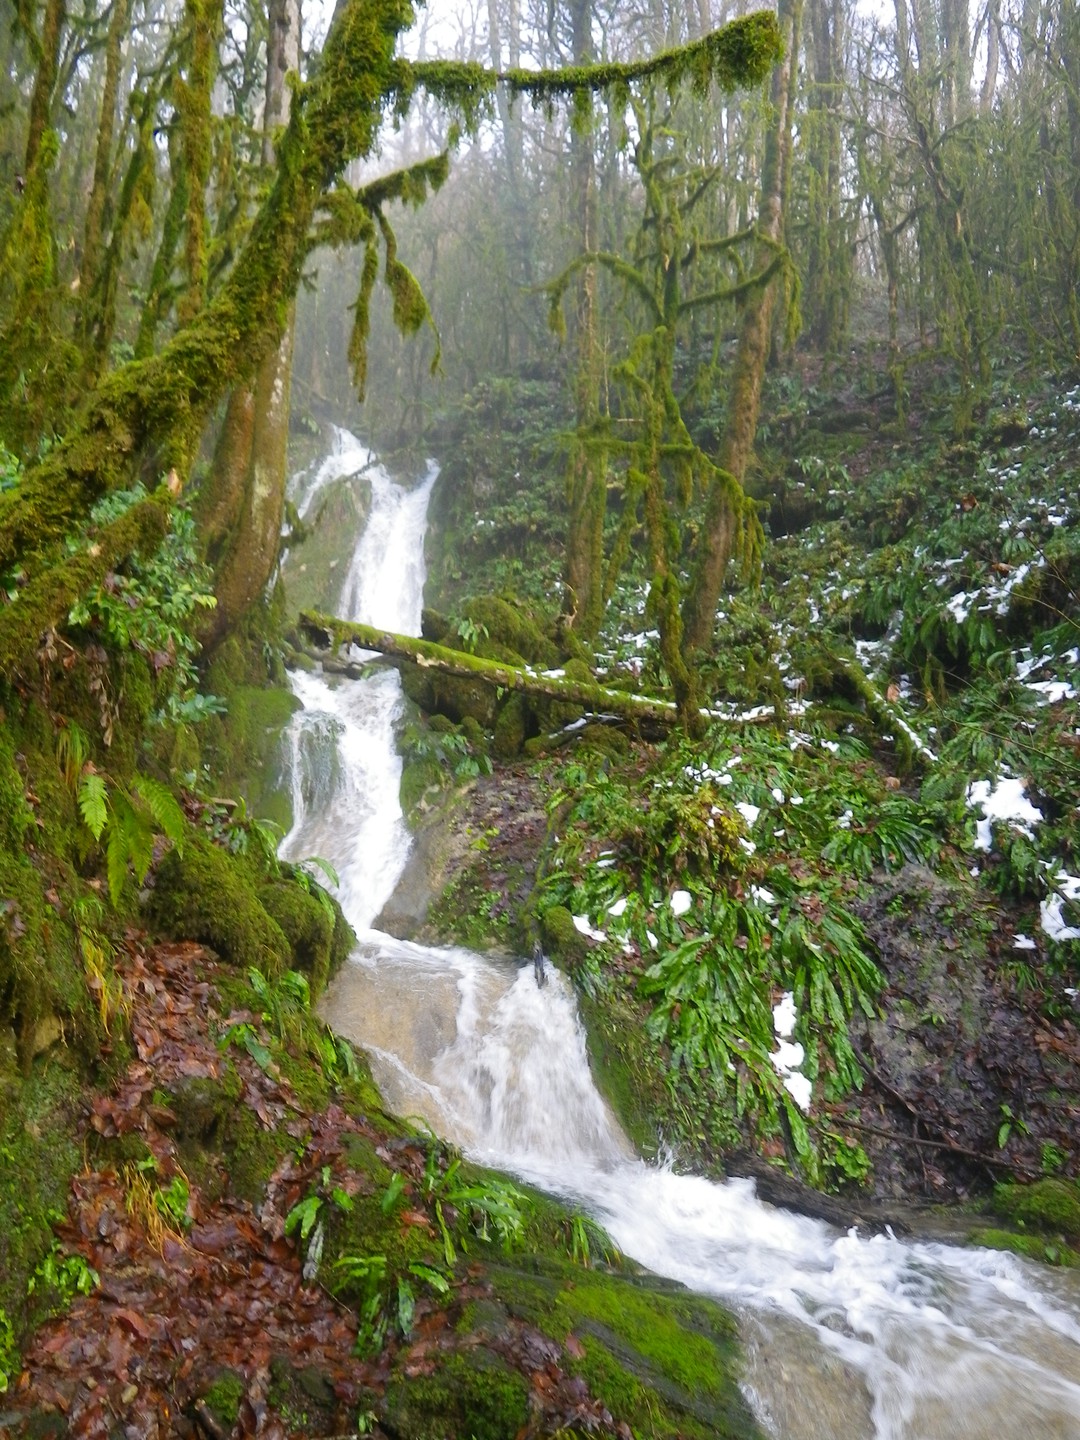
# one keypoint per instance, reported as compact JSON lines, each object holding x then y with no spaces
{"x":846,"y":1337}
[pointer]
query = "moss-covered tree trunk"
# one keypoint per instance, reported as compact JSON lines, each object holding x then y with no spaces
{"x":93,"y":226}
{"x":720,"y":528}
{"x":586,"y":484}
{"x":41,"y":98}
{"x":250,"y":470}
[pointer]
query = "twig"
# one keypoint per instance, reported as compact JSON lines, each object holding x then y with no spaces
{"x":947,"y":1145}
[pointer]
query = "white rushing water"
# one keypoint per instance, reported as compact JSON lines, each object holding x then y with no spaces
{"x":847,"y":1337}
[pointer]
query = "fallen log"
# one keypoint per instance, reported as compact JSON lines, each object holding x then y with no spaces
{"x":327,"y":633}
{"x":888,"y":716}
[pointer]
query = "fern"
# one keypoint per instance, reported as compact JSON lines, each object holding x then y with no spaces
{"x":94,"y":803}
{"x":164,"y":807}
{"x":72,"y":750}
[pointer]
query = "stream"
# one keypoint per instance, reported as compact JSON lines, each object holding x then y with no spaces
{"x":846,"y":1337}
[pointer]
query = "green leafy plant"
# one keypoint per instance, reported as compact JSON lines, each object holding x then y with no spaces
{"x":9,"y":1352}
{"x":1011,"y":1124}
{"x":150,"y":605}
{"x":63,"y":1275}
{"x":128,"y":817}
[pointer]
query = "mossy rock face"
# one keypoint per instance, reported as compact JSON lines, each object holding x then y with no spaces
{"x":1049,"y":1205}
{"x":39,"y":1153}
{"x":243,"y":743}
{"x":1032,"y":1247}
{"x":204,"y":894}
{"x":41,"y":976}
{"x":471,"y":1394}
{"x":313,"y":571}
{"x":457,"y":697}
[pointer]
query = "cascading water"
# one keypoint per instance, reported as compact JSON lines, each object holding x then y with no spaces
{"x":846,"y":1337}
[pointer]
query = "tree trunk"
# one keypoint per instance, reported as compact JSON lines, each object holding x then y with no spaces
{"x":586,"y":483}
{"x":95,"y":209}
{"x":45,"y":80}
{"x":251,"y":464}
{"x":721,"y":520}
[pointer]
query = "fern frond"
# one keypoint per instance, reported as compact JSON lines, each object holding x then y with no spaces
{"x":164,"y":808}
{"x":94,"y":803}
{"x":116,"y":862}
{"x":72,"y":750}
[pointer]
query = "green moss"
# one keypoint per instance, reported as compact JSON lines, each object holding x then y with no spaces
{"x":38,"y":1156}
{"x":205,"y":894}
{"x":561,"y":938}
{"x":1032,"y":1247}
{"x":511,"y":725}
{"x":252,"y":1154}
{"x":627,"y":1069}
{"x":661,"y":1359}
{"x":242,"y":746}
{"x":224,"y":1396}
{"x":471,"y":1395}
{"x":1050,"y":1205}
{"x":317,"y":932}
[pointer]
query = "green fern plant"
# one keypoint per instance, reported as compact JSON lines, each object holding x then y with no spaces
{"x":128,"y":819}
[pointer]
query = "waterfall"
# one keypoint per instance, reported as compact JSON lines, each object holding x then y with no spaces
{"x":847,"y":1337}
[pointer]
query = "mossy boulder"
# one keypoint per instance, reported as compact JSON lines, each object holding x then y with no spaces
{"x":562,"y":939}
{"x":318,"y":933}
{"x":471,"y":1393}
{"x":204,"y":893}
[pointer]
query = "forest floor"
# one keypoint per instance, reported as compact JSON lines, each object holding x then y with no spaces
{"x":253,"y":1250}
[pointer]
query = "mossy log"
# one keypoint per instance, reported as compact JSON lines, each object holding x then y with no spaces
{"x":327,"y":633}
{"x":886,"y":714}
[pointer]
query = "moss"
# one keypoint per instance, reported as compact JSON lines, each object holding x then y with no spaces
{"x":1049,"y":1205}
{"x":252,"y":1154}
{"x":314,"y":568}
{"x":661,"y":1359}
{"x":561,"y":937}
{"x":1032,"y":1247}
{"x":38,"y":1156}
{"x":511,"y":726}
{"x":204,"y":894}
{"x":472,"y":1395}
{"x":42,"y":987}
{"x":627,"y":1068}
{"x":224,"y":1397}
{"x":243,"y":745}
{"x":308,"y":926}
